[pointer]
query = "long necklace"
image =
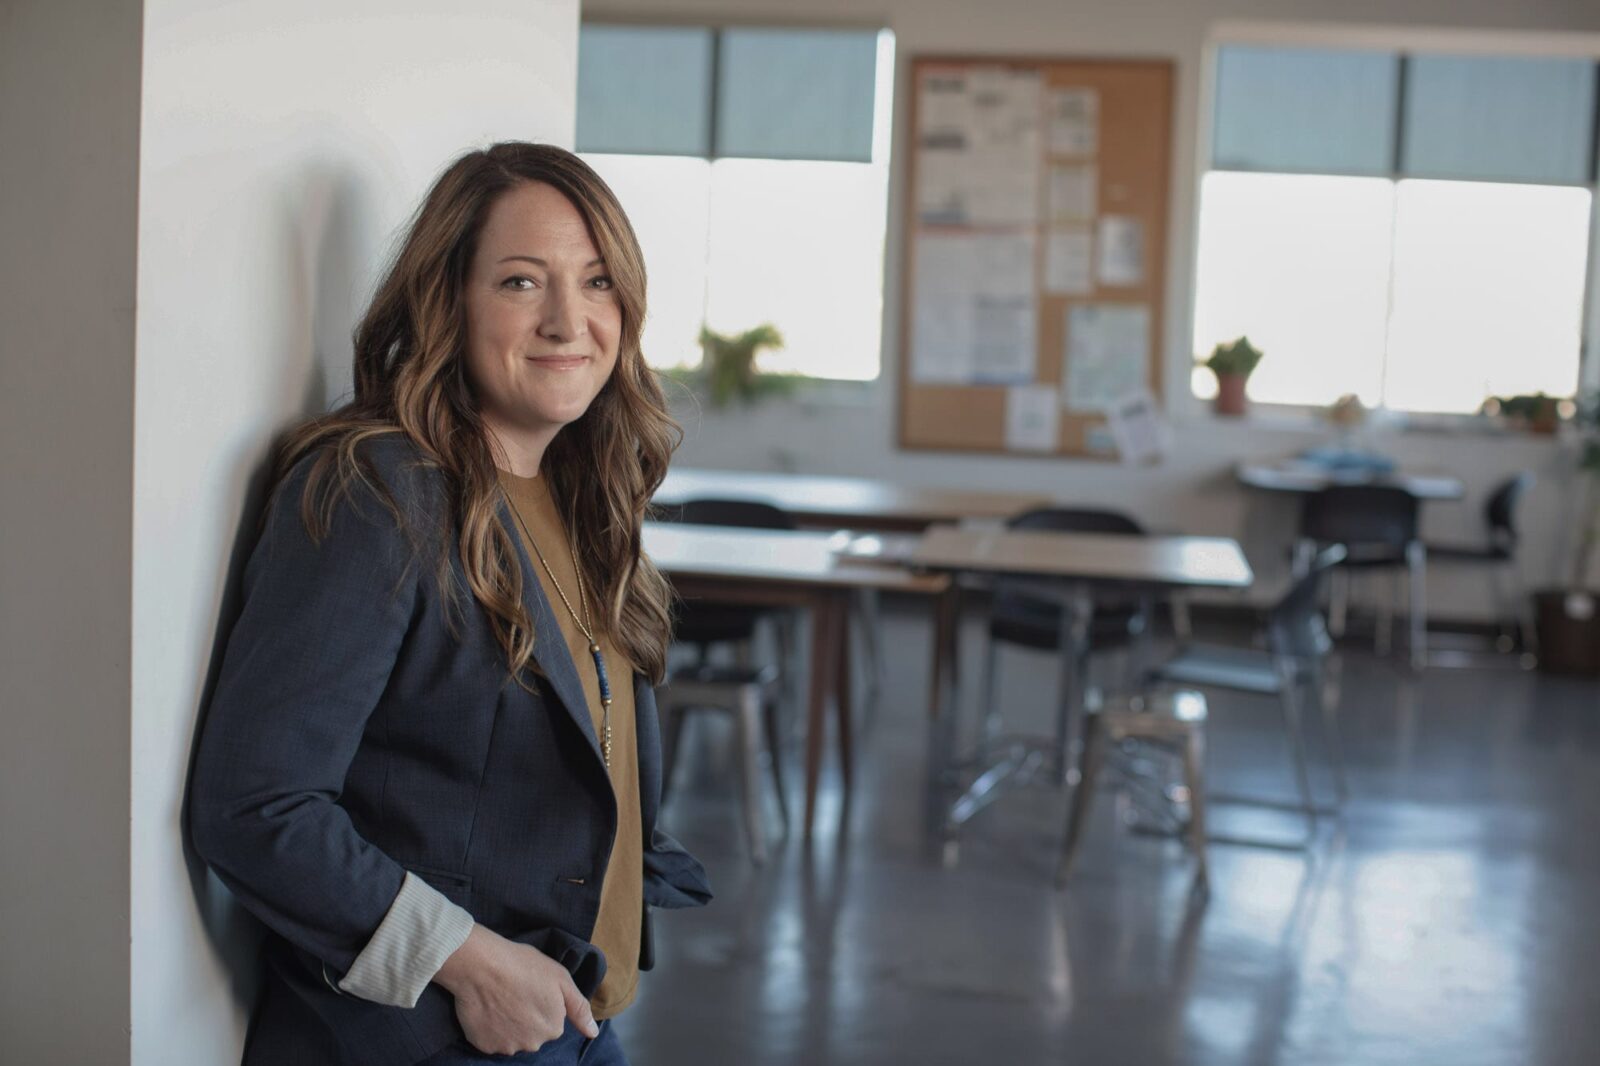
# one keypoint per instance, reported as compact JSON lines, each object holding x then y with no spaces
{"x":584,"y":625}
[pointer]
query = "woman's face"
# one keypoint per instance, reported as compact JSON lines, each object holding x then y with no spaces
{"x":543,"y":323}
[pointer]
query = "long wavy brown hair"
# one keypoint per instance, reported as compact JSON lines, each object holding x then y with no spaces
{"x":411,"y":379}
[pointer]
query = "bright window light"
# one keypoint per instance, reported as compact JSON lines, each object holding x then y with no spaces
{"x":734,"y":243}
{"x":1300,"y":265}
{"x":1488,"y":293}
{"x":1423,"y":296}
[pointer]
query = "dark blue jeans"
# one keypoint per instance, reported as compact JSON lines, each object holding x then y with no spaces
{"x":571,"y":1048}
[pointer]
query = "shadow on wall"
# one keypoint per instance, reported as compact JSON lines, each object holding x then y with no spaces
{"x":330,"y":250}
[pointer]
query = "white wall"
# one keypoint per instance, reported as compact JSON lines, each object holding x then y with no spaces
{"x":69,"y":112}
{"x":1192,"y":490}
{"x":284,"y":143}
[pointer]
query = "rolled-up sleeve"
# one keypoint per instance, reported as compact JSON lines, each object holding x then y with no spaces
{"x":321,"y":627}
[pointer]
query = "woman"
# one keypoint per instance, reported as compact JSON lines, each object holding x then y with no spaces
{"x":424,"y":766}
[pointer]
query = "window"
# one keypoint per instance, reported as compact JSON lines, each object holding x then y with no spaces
{"x":1411,"y":229}
{"x":758,"y":186}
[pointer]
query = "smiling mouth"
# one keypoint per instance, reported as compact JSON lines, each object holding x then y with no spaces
{"x":559,"y":362}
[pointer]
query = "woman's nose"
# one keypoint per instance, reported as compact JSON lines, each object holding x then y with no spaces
{"x":562,"y":315}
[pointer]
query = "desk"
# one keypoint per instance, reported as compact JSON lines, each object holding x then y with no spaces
{"x":846,"y":502}
{"x":1068,"y":567}
{"x":1292,"y":476}
{"x":790,"y":568}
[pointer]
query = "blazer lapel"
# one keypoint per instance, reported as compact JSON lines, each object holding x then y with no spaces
{"x":549,"y":646}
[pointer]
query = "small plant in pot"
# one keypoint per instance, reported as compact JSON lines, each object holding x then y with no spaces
{"x":1536,"y":413}
{"x":730,"y":372}
{"x":1568,"y":615}
{"x":1233,"y":364}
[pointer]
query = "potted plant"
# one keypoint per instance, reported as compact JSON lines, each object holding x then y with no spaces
{"x":1232,"y":363}
{"x":1537,"y":412}
{"x":1567,"y":616}
{"x":729,"y":372}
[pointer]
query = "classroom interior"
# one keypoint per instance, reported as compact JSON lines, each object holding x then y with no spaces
{"x":1136,"y":530}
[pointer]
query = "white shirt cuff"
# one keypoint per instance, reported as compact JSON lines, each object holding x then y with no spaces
{"x":421,"y":931}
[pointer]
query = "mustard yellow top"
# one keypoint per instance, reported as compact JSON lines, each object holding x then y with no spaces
{"x":619,"y":927}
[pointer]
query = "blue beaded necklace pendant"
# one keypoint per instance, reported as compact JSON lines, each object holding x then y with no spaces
{"x":605,"y":699}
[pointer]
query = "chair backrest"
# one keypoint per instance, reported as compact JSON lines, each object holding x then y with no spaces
{"x":702,"y":623}
{"x":749,"y":514}
{"x":1012,"y":605}
{"x":1076,"y":520}
{"x":1382,"y":516}
{"x":1295,"y":626}
{"x":1500,"y":513}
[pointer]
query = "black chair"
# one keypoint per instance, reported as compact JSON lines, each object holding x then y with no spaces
{"x":1016,"y":617}
{"x":747,"y":691}
{"x":1498,"y":555}
{"x":1290,"y":668}
{"x":1377,"y":526}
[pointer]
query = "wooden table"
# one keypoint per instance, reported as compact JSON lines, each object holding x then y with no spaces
{"x":1290,"y":475}
{"x":1069,"y":567}
{"x":846,"y":502}
{"x":792,"y":569}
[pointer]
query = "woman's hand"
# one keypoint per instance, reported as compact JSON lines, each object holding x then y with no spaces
{"x":511,"y":997}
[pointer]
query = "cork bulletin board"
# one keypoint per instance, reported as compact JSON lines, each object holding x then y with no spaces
{"x":1036,"y":243}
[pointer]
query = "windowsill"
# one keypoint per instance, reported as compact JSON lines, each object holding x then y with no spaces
{"x":812,"y":394}
{"x":1289,"y":418}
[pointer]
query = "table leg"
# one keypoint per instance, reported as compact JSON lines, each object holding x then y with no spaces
{"x":842,"y":695}
{"x":824,"y":658}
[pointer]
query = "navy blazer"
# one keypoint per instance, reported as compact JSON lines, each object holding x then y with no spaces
{"x":361,"y":727}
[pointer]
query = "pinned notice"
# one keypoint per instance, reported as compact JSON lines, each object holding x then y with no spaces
{"x":1033,"y":418}
{"x":1121,"y":252}
{"x":1074,"y":116}
{"x":1108,"y":354}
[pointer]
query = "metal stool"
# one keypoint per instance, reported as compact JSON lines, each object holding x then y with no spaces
{"x":750,"y":695}
{"x":1176,"y":719}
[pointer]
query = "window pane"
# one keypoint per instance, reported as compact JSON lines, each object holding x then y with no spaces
{"x":1488,"y":292}
{"x":1300,"y":264}
{"x":1499,"y":119}
{"x":796,"y":94}
{"x":644,"y":89}
{"x":666,"y":200}
{"x":1305,"y":109}
{"x":800,"y":245}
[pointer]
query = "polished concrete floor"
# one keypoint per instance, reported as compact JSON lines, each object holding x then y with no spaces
{"x":1452,"y":916}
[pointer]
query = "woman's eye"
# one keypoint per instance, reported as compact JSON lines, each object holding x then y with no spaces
{"x":519,"y":282}
{"x":601,"y":282}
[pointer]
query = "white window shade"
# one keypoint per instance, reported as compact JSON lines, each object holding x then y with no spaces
{"x":1499,"y":119}
{"x":1302,"y":110}
{"x":645,"y":90}
{"x":796,"y":94}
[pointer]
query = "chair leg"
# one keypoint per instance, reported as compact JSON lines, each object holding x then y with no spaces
{"x":1338,"y":602}
{"x":1331,"y":735}
{"x":1194,"y":780}
{"x":870,"y":618}
{"x":1525,"y":620}
{"x":1295,"y":734}
{"x":1504,"y":640}
{"x":775,"y":750}
{"x":1383,"y":637}
{"x":1082,"y":796}
{"x":747,"y":723}
{"x":671,"y":734}
{"x":1182,"y":622}
{"x":1417,"y":602}
{"x":989,"y":713}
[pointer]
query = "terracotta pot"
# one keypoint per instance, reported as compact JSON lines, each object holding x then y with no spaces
{"x":1230,"y":395}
